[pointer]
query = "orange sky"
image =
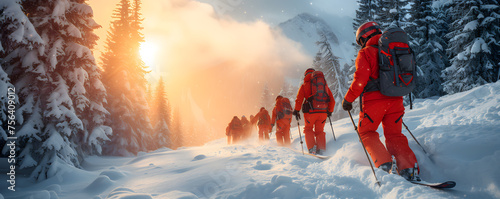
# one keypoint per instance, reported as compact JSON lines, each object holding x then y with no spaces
{"x":214,"y":67}
{"x":102,"y":15}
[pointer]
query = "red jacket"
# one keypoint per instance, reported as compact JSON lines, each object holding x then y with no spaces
{"x":305,"y":92}
{"x":366,"y":67}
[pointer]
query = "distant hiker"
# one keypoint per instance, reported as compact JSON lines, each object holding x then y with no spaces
{"x":253,"y":124}
{"x":234,"y":130}
{"x":247,"y":128}
{"x":317,"y":103}
{"x":263,"y":121}
{"x":228,"y":133}
{"x":252,"y":120}
{"x":377,"y":108}
{"x":282,"y":116}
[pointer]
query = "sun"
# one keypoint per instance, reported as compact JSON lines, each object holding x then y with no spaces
{"x":148,"y":51}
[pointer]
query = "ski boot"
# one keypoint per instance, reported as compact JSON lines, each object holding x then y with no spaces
{"x":394,"y":169}
{"x":386,"y":167}
{"x":320,"y":152}
{"x":313,"y":150}
{"x":410,"y":174}
{"x":390,"y":167}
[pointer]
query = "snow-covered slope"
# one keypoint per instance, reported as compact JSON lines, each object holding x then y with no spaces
{"x":460,"y":132}
{"x":306,"y":30}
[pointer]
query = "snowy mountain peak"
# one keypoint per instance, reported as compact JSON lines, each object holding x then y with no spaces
{"x":307,"y":29}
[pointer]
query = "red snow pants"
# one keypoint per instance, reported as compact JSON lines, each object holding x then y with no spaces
{"x":389,"y":112}
{"x":314,"y":130}
{"x":283,"y":132}
{"x":264,"y":132}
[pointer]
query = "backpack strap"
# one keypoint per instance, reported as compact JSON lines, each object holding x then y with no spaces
{"x":372,"y":85}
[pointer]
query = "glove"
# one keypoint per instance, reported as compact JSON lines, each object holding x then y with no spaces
{"x":296,"y":113}
{"x":346,"y":105}
{"x":328,"y":113}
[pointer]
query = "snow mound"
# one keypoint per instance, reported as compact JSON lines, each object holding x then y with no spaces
{"x":99,"y":185}
{"x":199,"y":157}
{"x":260,"y":166}
{"x":178,"y":195}
{"x":55,"y":188}
{"x":113,"y":174}
{"x":44,"y":194}
{"x":279,"y":187}
{"x":126,"y":193}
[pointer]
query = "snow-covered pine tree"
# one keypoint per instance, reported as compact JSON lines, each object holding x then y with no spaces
{"x":266,"y":99}
{"x":391,"y":12}
{"x":316,"y":65}
{"x":176,"y":131}
{"x":161,"y":117}
{"x":364,"y":14}
{"x":288,"y":91}
{"x":5,"y":85}
{"x":473,"y":45}
{"x":15,"y":40}
{"x":335,"y":75}
{"x":425,"y":31}
{"x":387,"y":13}
{"x":84,"y":80}
{"x":137,"y":38}
{"x":292,"y":92}
{"x":149,"y":98}
{"x":52,"y":81}
{"x":124,"y":79}
{"x":380,"y":12}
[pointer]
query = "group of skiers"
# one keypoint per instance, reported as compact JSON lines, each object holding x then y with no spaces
{"x":316,"y":109}
{"x":241,"y":129}
{"x":378,"y":104}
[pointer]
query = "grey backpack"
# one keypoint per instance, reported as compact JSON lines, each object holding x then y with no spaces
{"x":397,"y":67}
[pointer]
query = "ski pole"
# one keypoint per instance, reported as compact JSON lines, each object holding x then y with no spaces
{"x":335,"y":139}
{"x":300,"y":135}
{"x":367,"y":156}
{"x":414,"y":137}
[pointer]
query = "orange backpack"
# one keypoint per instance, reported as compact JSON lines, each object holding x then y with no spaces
{"x":284,"y":109}
{"x":319,"y":97}
{"x":264,"y":118}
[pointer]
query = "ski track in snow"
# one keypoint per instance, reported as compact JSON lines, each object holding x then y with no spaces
{"x":460,"y":133}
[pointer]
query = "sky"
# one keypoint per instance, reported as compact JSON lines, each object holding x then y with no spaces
{"x":277,"y":11}
{"x":271,"y":12}
{"x":216,"y":56}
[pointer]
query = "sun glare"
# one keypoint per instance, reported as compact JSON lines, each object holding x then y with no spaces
{"x":148,"y":53}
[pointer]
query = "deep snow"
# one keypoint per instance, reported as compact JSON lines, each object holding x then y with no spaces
{"x":460,"y":132}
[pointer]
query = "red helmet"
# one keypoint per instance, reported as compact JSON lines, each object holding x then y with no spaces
{"x":309,"y":70}
{"x":367,"y":31}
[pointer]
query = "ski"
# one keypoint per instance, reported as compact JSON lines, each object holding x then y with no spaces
{"x":323,"y":157}
{"x":442,"y":185}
